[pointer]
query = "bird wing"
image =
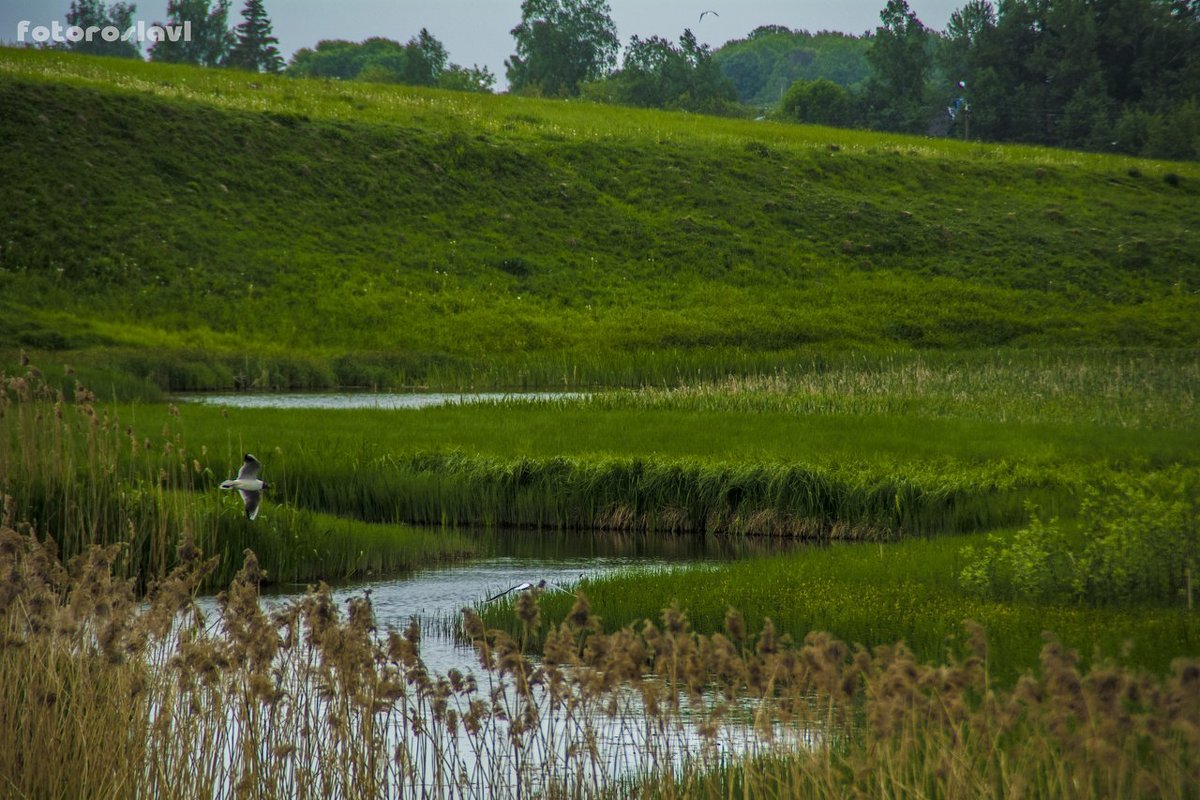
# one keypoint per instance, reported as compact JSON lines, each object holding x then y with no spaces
{"x":520,"y":587}
{"x":498,"y":596}
{"x":252,"y":501}
{"x":250,"y":468}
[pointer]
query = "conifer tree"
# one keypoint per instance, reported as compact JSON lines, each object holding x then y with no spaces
{"x":255,"y":48}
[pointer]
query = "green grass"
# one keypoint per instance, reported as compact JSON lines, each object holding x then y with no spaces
{"x":474,"y":240}
{"x":844,"y":450}
{"x":875,"y":595}
{"x":77,"y":473}
{"x":895,"y":445}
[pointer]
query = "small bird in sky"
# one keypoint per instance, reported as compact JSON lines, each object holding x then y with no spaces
{"x":702,"y":13}
{"x":249,"y":484}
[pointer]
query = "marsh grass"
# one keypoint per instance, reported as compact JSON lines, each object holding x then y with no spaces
{"x":154,"y":700}
{"x":879,"y":594}
{"x":69,"y":464}
{"x":1142,"y":390}
{"x":670,"y":495}
{"x":857,"y":447}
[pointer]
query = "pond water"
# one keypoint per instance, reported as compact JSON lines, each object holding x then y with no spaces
{"x":436,"y":595}
{"x":387,"y":401}
{"x":590,"y":750}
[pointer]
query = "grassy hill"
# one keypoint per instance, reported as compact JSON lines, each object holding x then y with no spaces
{"x":207,"y":227}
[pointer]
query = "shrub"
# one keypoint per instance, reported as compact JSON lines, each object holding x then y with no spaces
{"x":822,"y":102}
{"x":1139,"y":540}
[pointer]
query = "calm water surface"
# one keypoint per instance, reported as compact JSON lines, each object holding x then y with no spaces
{"x":436,"y":595}
{"x":349,"y":400}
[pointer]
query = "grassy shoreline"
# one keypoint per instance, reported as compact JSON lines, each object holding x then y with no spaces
{"x":876,"y":595}
{"x":151,"y":698}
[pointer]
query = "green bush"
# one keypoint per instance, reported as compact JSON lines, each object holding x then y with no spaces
{"x":1138,"y":541}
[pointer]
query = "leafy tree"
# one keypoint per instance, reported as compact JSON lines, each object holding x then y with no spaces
{"x":1175,"y":133}
{"x":768,"y":61}
{"x":256,"y":48}
{"x":211,"y":38}
{"x":94,"y":13}
{"x":1006,"y":80}
{"x":1098,"y":74}
{"x":900,"y":64}
{"x":425,"y":59}
{"x":467,"y":79}
{"x":376,"y":59}
{"x":656,"y":73}
{"x":420,"y":62}
{"x":821,"y":102}
{"x":561,"y":44}
{"x":960,"y":43}
{"x":331,"y":58}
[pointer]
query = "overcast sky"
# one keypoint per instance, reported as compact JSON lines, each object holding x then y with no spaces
{"x":477,"y":31}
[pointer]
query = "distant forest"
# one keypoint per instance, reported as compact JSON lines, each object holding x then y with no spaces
{"x":1106,"y":75}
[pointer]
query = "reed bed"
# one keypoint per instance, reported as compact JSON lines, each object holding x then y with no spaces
{"x":875,"y":595}
{"x":857,"y":448}
{"x":72,"y":466}
{"x":675,"y":495}
{"x":1151,"y":389}
{"x":101,"y":696}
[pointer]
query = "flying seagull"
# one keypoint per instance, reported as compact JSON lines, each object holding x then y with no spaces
{"x":521,"y":587}
{"x":249,"y":484}
{"x":702,"y":13}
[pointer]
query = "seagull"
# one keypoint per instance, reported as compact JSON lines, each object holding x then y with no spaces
{"x":702,"y":13}
{"x":249,"y":484}
{"x":521,"y":587}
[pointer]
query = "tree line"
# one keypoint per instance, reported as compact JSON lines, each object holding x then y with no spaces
{"x":1109,"y":75}
{"x":1116,"y":75}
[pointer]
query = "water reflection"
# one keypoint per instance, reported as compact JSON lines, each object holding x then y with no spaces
{"x":436,"y":595}
{"x":552,"y":545}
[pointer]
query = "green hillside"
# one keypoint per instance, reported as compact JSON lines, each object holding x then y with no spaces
{"x":207,"y":226}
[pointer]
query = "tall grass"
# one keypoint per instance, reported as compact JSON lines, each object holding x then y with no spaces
{"x":1117,"y":389}
{"x":853,"y":447}
{"x":663,"y":494}
{"x":72,"y":466}
{"x":152,"y":700}
{"x":875,"y":595}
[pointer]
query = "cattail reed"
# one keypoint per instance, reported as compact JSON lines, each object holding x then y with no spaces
{"x":305,"y":700}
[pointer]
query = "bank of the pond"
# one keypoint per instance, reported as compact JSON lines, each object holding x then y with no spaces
{"x":876,"y":595}
{"x":89,"y":474}
{"x":638,"y":463}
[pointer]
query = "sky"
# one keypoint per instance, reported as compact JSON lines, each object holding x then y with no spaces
{"x":477,"y":31}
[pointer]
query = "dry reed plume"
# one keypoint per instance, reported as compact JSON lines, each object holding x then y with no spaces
{"x":103,"y":696}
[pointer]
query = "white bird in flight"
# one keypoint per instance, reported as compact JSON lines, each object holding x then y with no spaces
{"x":521,"y":587}
{"x":248,"y":484}
{"x":702,"y":13}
